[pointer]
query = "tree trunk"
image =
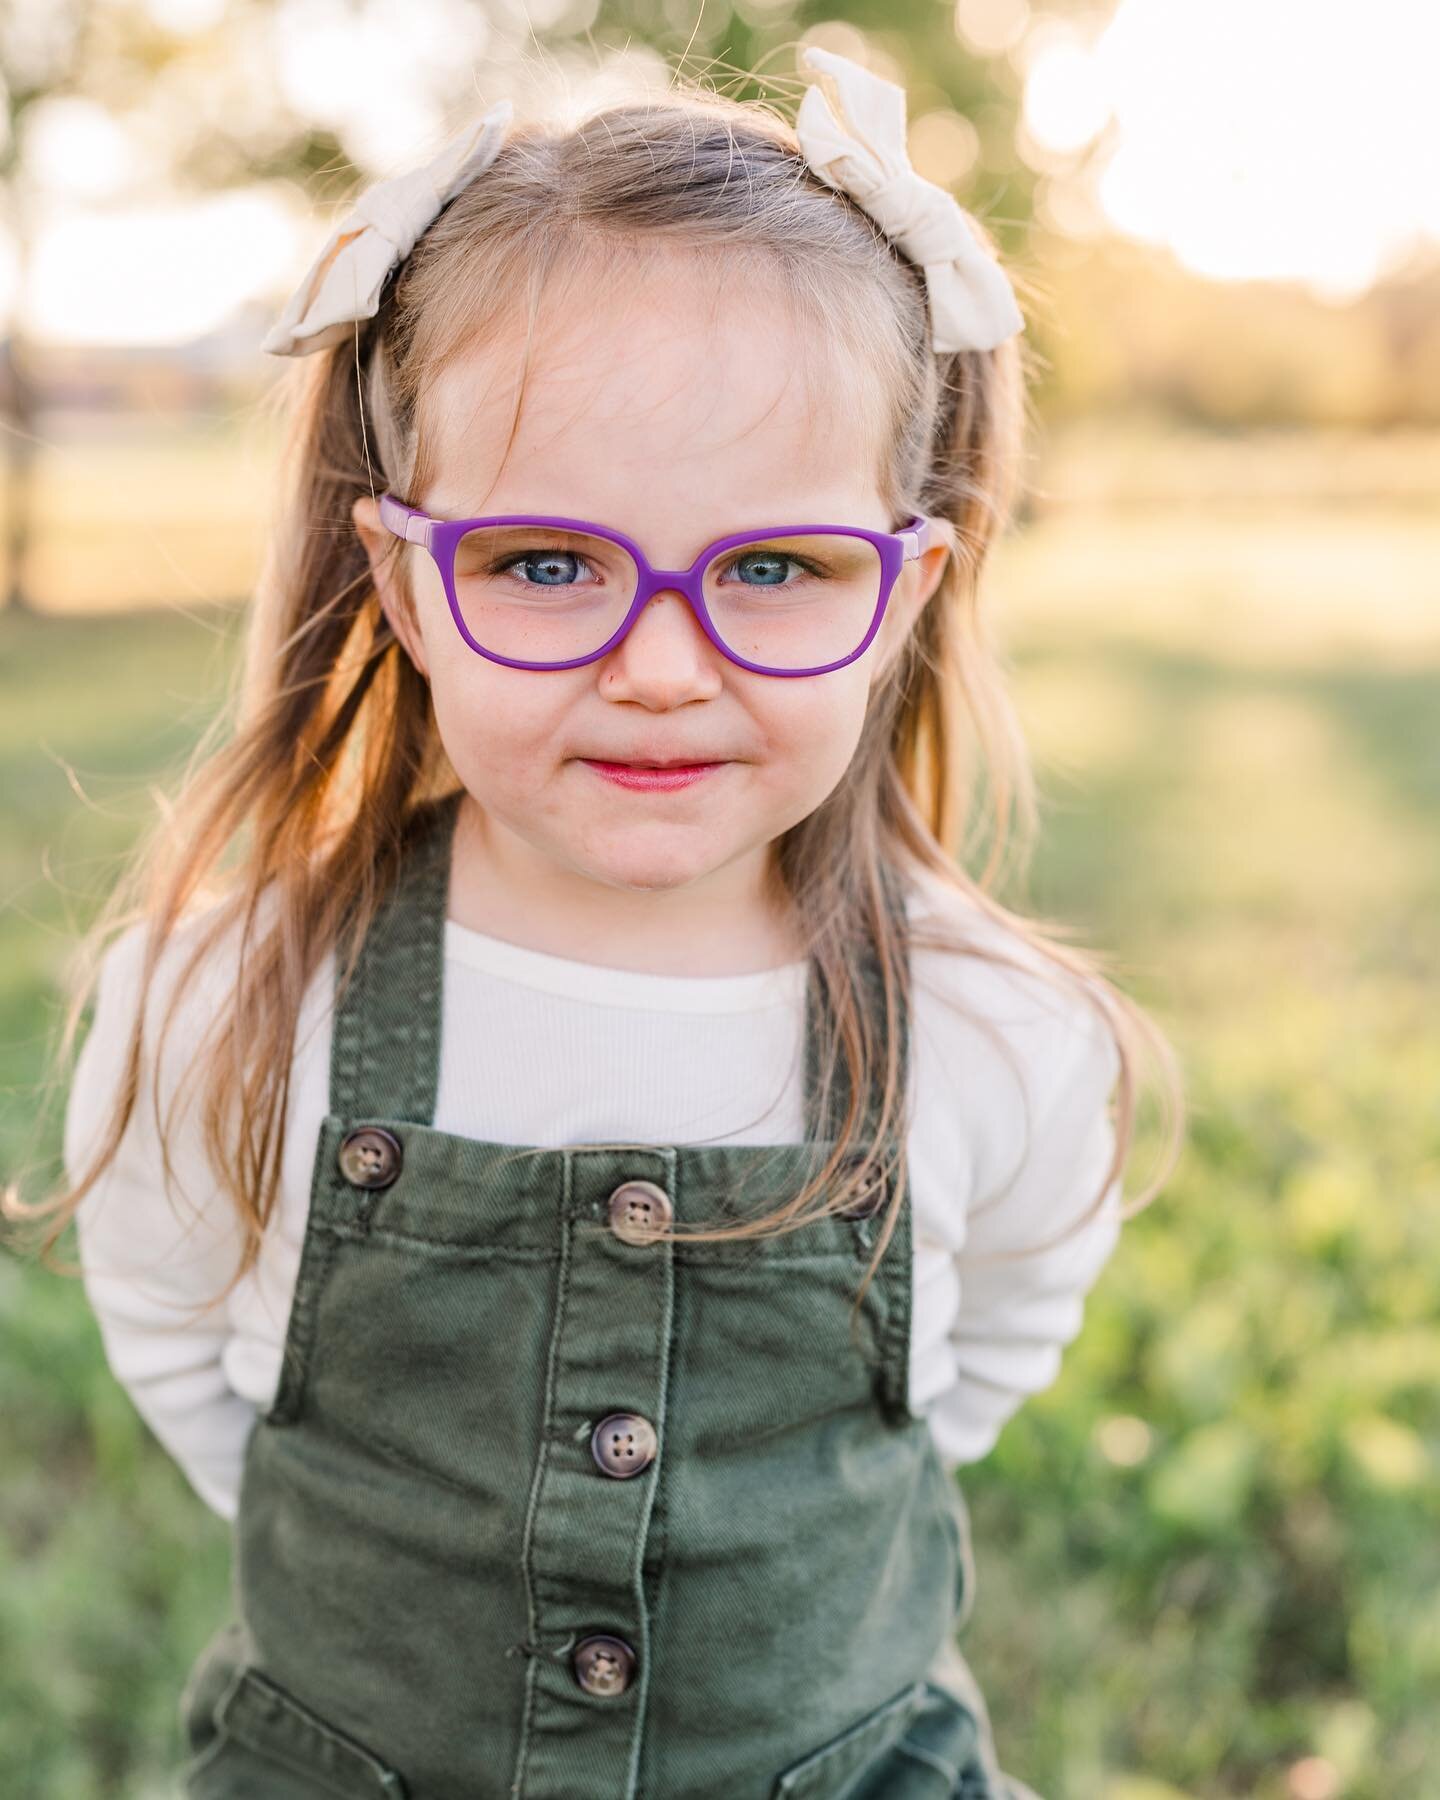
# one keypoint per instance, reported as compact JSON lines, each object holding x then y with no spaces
{"x":19,"y":440}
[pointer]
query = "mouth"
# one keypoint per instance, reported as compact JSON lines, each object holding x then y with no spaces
{"x":654,"y":777}
{"x":677,"y":762}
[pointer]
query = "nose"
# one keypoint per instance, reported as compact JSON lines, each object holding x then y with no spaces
{"x":666,"y":649}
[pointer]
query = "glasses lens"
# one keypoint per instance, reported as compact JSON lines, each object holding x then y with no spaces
{"x":794,"y":602}
{"x":541,"y":594}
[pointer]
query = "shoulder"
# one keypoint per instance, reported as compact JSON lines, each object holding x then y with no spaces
{"x":1009,"y":1042}
{"x":176,"y":1014}
{"x":184,"y":994}
{"x":182,"y":999}
{"x":193,"y":975}
{"x":1004,"y":983}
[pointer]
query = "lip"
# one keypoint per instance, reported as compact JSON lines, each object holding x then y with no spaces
{"x":651,"y":780}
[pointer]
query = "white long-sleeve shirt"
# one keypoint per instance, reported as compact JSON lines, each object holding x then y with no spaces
{"x":538,"y":1049}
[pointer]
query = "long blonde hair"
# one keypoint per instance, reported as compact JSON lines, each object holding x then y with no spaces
{"x":301,"y":792}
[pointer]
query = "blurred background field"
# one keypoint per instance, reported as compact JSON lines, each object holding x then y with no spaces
{"x":1208,"y":1557}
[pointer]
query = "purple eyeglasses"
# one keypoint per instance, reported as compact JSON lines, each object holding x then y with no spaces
{"x":837,"y":603}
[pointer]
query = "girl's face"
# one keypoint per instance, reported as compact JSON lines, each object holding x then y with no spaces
{"x":677,"y":421}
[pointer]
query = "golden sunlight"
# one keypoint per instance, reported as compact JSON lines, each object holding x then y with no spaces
{"x":1270,"y":139}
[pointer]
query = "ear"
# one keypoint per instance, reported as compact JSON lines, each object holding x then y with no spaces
{"x":918,"y":581}
{"x":387,"y":571}
{"x":931,"y":564}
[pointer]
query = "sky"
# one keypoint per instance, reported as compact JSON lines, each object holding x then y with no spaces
{"x":1271,"y":139}
{"x":1279,"y":139}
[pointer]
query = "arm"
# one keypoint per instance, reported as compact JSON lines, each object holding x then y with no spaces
{"x":1016,"y":1316}
{"x":150,"y":1258}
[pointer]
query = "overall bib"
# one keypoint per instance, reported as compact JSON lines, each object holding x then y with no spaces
{"x":546,"y":1510}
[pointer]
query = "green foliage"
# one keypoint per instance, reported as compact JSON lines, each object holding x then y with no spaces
{"x":1225,"y":1581}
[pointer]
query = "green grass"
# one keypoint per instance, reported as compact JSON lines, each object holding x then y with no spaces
{"x":1210,"y":1551}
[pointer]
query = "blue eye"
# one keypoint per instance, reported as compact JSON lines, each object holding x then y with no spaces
{"x":772,"y":569}
{"x":767,"y":566}
{"x":556,"y":568}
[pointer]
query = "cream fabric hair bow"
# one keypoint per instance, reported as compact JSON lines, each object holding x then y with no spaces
{"x":854,"y":141}
{"x":852,"y":132}
{"x":344,"y":282}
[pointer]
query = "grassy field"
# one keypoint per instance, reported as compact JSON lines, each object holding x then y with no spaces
{"x":1209,"y":1562}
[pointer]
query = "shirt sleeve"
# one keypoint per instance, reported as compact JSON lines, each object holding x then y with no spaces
{"x":1016,"y":1315}
{"x":152,"y":1253}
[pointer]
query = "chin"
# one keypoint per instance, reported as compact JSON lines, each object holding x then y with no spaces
{"x":650,"y":874}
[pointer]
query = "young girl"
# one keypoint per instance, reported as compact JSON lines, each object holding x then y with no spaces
{"x":566,"y":1158}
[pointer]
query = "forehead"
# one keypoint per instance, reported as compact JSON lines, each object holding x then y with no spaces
{"x":661,"y":387}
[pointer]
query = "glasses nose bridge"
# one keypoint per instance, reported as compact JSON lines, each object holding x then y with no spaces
{"x":695,"y":570}
{"x":688,"y":582}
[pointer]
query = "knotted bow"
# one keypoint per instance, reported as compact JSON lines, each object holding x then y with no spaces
{"x":852,"y":133}
{"x":344,"y":282}
{"x":853,"y":138}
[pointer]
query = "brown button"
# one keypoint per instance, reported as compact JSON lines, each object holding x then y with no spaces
{"x":870,"y":1199}
{"x":370,"y":1157}
{"x":623,"y":1443}
{"x":603,"y":1664}
{"x":639,"y":1211}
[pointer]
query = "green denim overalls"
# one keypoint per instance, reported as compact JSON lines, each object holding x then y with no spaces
{"x":545,"y":1510}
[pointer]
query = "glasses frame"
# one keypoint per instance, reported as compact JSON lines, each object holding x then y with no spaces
{"x":441,"y":536}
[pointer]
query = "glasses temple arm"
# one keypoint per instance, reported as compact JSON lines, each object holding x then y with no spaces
{"x":405,"y":521}
{"x":916,"y":537}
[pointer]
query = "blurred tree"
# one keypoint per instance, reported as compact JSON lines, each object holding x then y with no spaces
{"x":38,"y":51}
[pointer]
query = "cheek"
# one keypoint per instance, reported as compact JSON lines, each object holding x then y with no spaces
{"x":813,"y":730}
{"x":501,"y":728}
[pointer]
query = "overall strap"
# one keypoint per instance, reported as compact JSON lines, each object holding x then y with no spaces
{"x":385,"y":1045}
{"x":872,"y":1001}
{"x":894,"y":1274}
